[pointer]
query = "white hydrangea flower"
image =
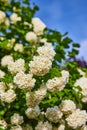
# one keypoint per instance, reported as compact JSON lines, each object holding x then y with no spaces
{"x":6,"y":59}
{"x":46,"y":51}
{"x":14,"y":18}
{"x":43,"y":40}
{"x":33,"y":113}
{"x":84,"y":99}
{"x":8,"y":96}
{"x":18,"y":47}
{"x":2,"y":74}
{"x":67,"y":106}
{"x":65,"y":75}
{"x":2,"y":17}
{"x":55,"y":84}
{"x":31,"y":37}
{"x":61,"y":127}
{"x":2,"y":87}
{"x":17,"y":127}
{"x":43,"y":126}
{"x":34,"y":98}
{"x":27,"y":127}
{"x":38,"y":26}
{"x":24,"y":81}
{"x":82,"y":82}
{"x":77,"y":118}
{"x":54,"y":114}
{"x":84,"y":127}
{"x":17,"y":66}
{"x":16,"y":119}
{"x":40,"y":65}
{"x":3,"y":124}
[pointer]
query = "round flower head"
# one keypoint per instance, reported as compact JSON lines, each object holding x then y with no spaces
{"x":24,"y":81}
{"x":16,"y":119}
{"x":77,"y":118}
{"x":18,"y":47}
{"x":43,"y":126}
{"x":5,"y":59}
{"x":14,"y":18}
{"x":31,"y":37}
{"x":33,"y":113}
{"x":46,"y":51}
{"x":3,"y":124}
{"x":40,"y":65}
{"x":17,"y":127}
{"x":54,"y":114}
{"x":38,"y":26}
{"x":2,"y":74}
{"x":67,"y":106}
{"x":2,"y":17}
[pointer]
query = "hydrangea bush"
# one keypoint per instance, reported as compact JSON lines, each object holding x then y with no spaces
{"x":39,"y":90}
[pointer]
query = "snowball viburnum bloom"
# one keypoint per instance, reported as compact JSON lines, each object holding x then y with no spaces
{"x":31,"y":37}
{"x":77,"y":118}
{"x":54,"y":114}
{"x":18,"y":47}
{"x":2,"y":17}
{"x":6,"y":59}
{"x":82,"y":82}
{"x":18,"y":65}
{"x":8,"y":96}
{"x":34,"y":98}
{"x":38,"y":26}
{"x":17,"y":127}
{"x":43,"y":126}
{"x":46,"y":51}
{"x":14,"y":18}
{"x":3,"y":124}
{"x":67,"y":106}
{"x":33,"y":113}
{"x":16,"y":119}
{"x":24,"y":81}
{"x":40,"y":65}
{"x":55,"y":84}
{"x":2,"y":74}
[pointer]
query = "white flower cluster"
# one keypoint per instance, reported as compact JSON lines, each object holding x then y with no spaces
{"x":6,"y":59}
{"x":33,"y":113}
{"x":31,"y":37}
{"x":2,"y":17}
{"x":27,"y":127}
{"x":17,"y":127}
{"x":38,"y":26}
{"x":67,"y":106}
{"x":61,"y":127}
{"x":58,"y":83}
{"x":46,"y":51}
{"x":15,"y":18}
{"x":77,"y":118}
{"x":17,"y":66}
{"x":16,"y":119}
{"x":54,"y":114}
{"x":43,"y":126}
{"x":2,"y":87}
{"x":82,"y":82}
{"x":34,"y":98}
{"x":40,"y":65}
{"x":18,"y":47}
{"x":3,"y":124}
{"x":8,"y":96}
{"x":24,"y":81}
{"x":2,"y":74}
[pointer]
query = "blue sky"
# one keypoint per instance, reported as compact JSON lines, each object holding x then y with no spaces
{"x":66,"y":16}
